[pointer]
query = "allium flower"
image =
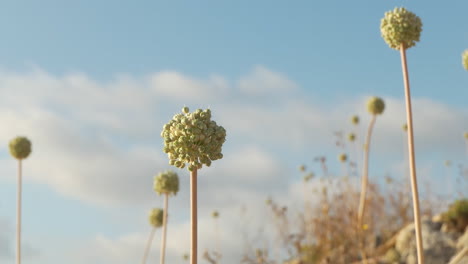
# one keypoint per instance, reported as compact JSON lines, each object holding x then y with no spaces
{"x":375,"y":105}
{"x":465,"y":59}
{"x":20,"y":147}
{"x":400,"y":26}
{"x":343,"y":157}
{"x":351,"y":137}
{"x":308,"y":177}
{"x":302,"y":168}
{"x":215,"y":214}
{"x":193,"y":139}
{"x":166,"y":183}
{"x":156,"y":217}
{"x":355,"y":120}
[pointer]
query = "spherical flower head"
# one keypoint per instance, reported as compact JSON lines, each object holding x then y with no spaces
{"x":20,"y":148}
{"x":400,"y":26}
{"x":193,"y":139}
{"x":302,"y":168}
{"x":466,"y":135}
{"x":351,"y":137}
{"x":166,"y":183}
{"x":186,"y":256}
{"x":215,"y":214}
{"x":343,"y":157}
{"x":355,"y":120}
{"x":156,"y":217}
{"x":465,"y":59}
{"x":375,"y":105}
{"x":404,"y":127}
{"x":308,"y":177}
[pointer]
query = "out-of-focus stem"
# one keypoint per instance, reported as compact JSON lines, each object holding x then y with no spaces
{"x":164,"y":231}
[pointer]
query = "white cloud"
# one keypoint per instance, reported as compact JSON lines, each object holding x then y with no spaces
{"x":99,"y":142}
{"x":262,"y":82}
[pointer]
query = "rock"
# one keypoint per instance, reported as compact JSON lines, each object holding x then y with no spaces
{"x":439,"y":247}
{"x":463,"y":241}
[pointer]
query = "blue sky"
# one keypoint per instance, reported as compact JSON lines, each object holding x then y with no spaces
{"x":92,"y":83}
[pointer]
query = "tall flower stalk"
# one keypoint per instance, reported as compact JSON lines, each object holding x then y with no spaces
{"x":375,"y":106}
{"x":401,"y":29}
{"x":196,"y":140}
{"x":156,"y":220}
{"x":217,"y":254}
{"x":20,"y":148}
{"x":166,"y":183}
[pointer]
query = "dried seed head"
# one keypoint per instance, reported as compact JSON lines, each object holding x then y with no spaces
{"x":193,"y":139}
{"x":375,"y":105}
{"x":351,"y":137}
{"x":355,"y":120}
{"x":156,"y":217}
{"x":215,"y":214}
{"x":343,"y":157}
{"x":465,"y":59}
{"x":166,"y":183}
{"x":20,"y":148}
{"x":400,"y":26}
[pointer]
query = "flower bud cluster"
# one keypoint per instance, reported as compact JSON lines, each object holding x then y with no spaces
{"x":343,"y":157}
{"x":166,"y":183}
{"x":215,"y":214}
{"x":156,"y":217}
{"x":400,"y":26}
{"x":355,"y":120}
{"x":20,"y":147}
{"x":375,"y":105}
{"x":193,"y":139}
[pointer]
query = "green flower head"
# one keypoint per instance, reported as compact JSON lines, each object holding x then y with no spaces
{"x":351,"y":137}
{"x":20,"y":148}
{"x":308,"y":177}
{"x":302,"y":168}
{"x":215,"y":214}
{"x":355,"y":120}
{"x":193,"y":139}
{"x":343,"y":157}
{"x":400,"y":26}
{"x":156,"y":217}
{"x":404,"y":127}
{"x":465,"y":59}
{"x":166,"y":183}
{"x":375,"y":105}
